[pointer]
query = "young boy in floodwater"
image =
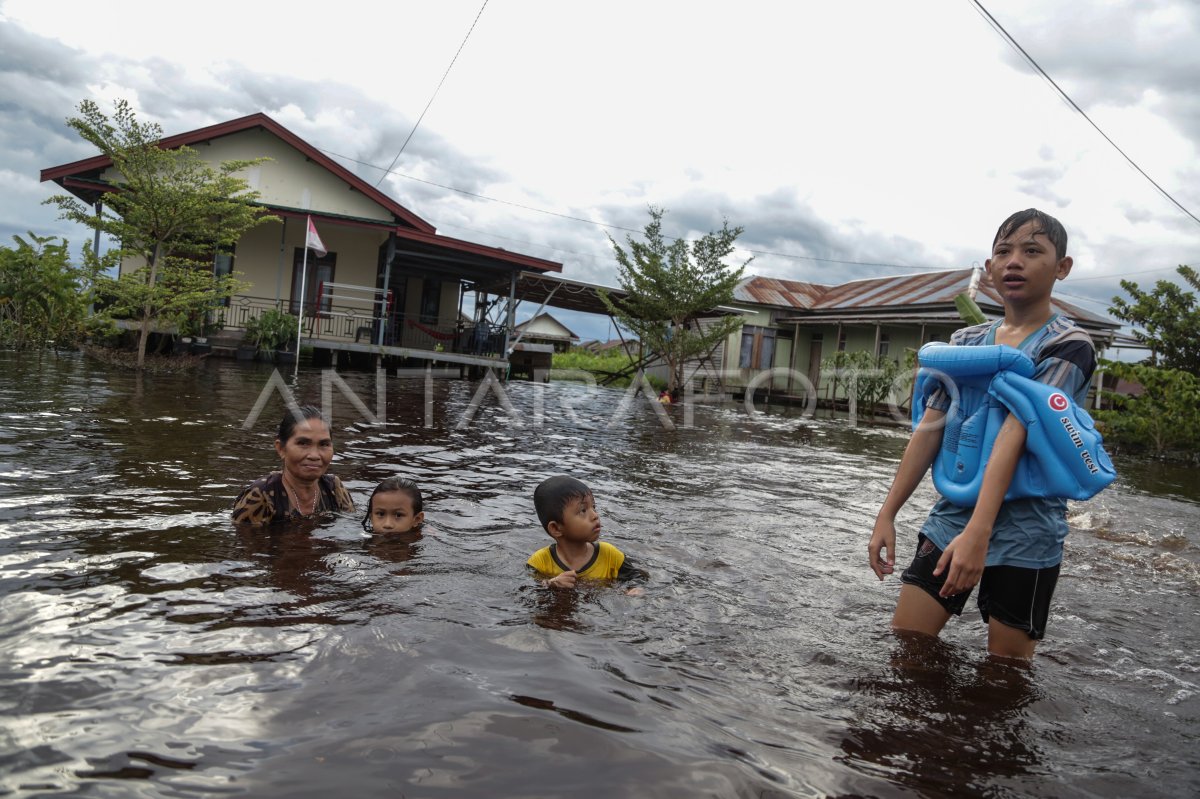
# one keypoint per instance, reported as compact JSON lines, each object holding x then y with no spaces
{"x":1011,"y":549}
{"x":395,"y":507}
{"x":567,"y":510}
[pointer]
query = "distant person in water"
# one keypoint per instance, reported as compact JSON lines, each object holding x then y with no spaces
{"x":395,"y":506}
{"x":567,"y":510}
{"x":301,"y":489}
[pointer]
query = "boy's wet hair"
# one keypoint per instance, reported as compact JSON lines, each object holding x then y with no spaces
{"x":552,"y":495}
{"x":287,"y":427}
{"x":1045,"y":223}
{"x":402,"y":484}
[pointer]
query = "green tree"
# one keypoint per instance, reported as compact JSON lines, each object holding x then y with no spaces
{"x":868,"y":377}
{"x":43,"y":297}
{"x":1170,"y":319}
{"x":670,"y":286}
{"x":170,"y":210}
{"x":1164,"y":417}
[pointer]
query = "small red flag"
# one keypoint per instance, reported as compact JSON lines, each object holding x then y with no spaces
{"x":312,"y":240}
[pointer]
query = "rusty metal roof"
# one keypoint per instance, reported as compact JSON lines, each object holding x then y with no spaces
{"x":929,"y":288}
{"x":781,"y":293}
{"x":923,"y":294}
{"x":988,"y":296}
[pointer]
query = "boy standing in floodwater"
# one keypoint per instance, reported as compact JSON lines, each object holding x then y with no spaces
{"x":1012,"y":549}
{"x":567,"y":510}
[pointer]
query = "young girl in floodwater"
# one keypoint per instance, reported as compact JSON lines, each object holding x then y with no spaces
{"x":395,"y":506}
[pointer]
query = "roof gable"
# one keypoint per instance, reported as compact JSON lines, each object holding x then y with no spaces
{"x":546,"y":326}
{"x":95,"y":166}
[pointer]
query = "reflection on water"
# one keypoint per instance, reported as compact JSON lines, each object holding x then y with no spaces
{"x":961,"y":719}
{"x":150,"y":649}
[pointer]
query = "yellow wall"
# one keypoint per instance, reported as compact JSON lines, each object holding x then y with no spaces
{"x":858,"y":338}
{"x":258,"y":255}
{"x":289,"y":179}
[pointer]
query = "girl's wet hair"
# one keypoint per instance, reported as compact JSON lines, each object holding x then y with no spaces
{"x":287,"y":427}
{"x":389,"y":485}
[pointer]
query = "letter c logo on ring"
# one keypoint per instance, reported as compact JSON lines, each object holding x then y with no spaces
{"x":1057,"y":402}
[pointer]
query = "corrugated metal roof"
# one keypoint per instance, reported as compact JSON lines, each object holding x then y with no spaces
{"x":898,"y":291}
{"x":880,"y":295}
{"x":988,"y":295}
{"x":781,"y":293}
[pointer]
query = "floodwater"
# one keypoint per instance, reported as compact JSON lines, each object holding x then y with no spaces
{"x":150,"y":649}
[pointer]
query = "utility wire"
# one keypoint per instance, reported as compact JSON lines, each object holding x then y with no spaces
{"x":476,"y":195}
{"x":1008,"y":37}
{"x":435,"y":94}
{"x":1127,"y":274}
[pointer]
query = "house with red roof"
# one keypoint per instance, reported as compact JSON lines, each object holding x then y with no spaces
{"x":389,"y":283}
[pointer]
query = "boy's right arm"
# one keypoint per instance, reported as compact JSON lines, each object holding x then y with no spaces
{"x":563,"y":580}
{"x":918,"y":457}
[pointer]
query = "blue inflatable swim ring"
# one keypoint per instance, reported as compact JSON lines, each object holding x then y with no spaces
{"x":1064,"y":454}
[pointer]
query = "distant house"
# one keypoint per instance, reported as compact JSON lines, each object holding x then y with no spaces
{"x":603,"y":347}
{"x":790,"y":326}
{"x":545,"y":329}
{"x":389,"y":284}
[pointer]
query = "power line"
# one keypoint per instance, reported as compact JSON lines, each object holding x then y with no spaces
{"x":568,"y":217}
{"x":435,"y":94}
{"x":852,"y":263}
{"x":1127,"y":274}
{"x":1013,"y":42}
{"x":476,"y":195}
{"x":1079,"y":298}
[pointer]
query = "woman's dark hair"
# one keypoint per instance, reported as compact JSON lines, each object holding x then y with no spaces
{"x":386,"y":487}
{"x":287,"y":427}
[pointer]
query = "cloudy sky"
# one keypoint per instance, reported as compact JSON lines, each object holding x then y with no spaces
{"x":837,"y":134}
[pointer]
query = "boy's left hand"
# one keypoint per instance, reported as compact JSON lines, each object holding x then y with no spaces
{"x":964,"y":556}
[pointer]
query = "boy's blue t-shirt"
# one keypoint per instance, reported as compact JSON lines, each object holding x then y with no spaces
{"x":1027,"y":532}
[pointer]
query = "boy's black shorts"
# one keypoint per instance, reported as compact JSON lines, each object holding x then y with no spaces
{"x":1016,"y":596}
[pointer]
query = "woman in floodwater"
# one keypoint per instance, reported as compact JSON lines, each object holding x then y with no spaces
{"x":302,"y":488}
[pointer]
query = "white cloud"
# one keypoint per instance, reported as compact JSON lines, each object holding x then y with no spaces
{"x":876,"y":131}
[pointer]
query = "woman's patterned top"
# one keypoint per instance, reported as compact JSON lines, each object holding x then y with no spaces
{"x":266,"y":501}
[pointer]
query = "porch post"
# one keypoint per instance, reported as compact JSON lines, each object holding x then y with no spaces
{"x":387,"y":280}
{"x":878,"y":333}
{"x":462,"y":293}
{"x":792,"y":365}
{"x":96,"y":249}
{"x":511,"y":319}
{"x":99,"y":213}
{"x":279,"y":269}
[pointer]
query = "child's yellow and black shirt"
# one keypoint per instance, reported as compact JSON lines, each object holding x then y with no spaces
{"x":607,"y":563}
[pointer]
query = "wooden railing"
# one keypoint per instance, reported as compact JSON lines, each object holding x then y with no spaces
{"x":348,"y":322}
